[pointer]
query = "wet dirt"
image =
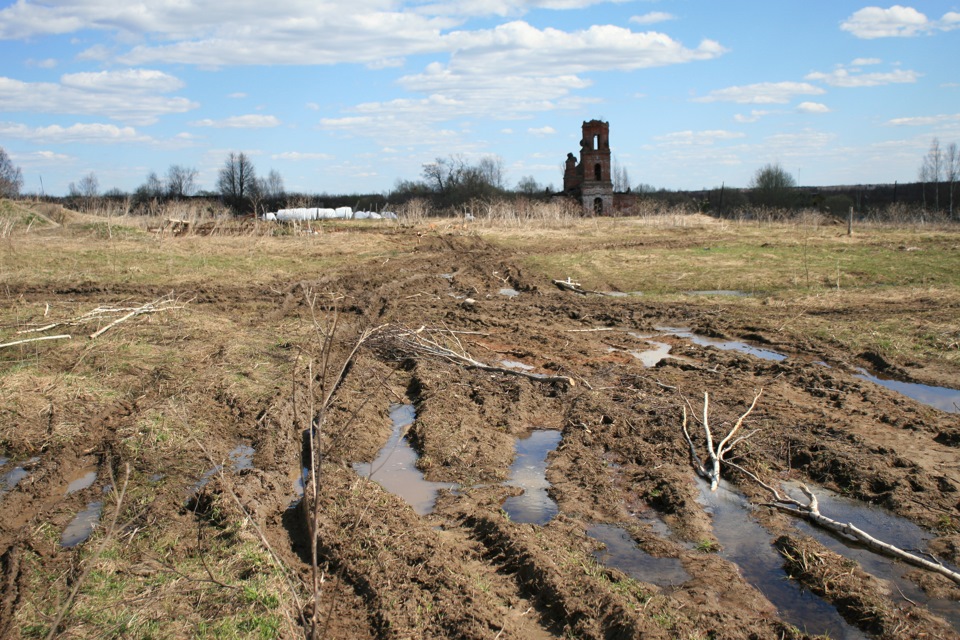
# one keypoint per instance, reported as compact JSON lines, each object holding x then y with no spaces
{"x":463,"y":567}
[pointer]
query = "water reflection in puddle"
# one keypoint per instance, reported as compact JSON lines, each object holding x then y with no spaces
{"x":748,"y":545}
{"x":885,"y":526}
{"x":514,"y":364}
{"x":942,"y":398}
{"x":724,"y":345}
{"x":395,"y":467}
{"x":510,"y":293}
{"x":82,"y":526}
{"x":528,"y":472}
{"x":621,"y":552}
{"x":241,"y":457}
{"x":82,"y":481}
{"x":13,"y":477}
{"x":719,"y":292}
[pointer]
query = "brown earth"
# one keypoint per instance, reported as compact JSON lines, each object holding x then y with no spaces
{"x":246,"y":363}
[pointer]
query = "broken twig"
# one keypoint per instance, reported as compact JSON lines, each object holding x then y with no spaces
{"x":715,"y":454}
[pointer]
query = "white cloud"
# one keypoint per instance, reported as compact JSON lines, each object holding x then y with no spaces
{"x":542,"y":131}
{"x":762,"y":93}
{"x":520,"y":48}
{"x":700,"y":138}
{"x":47,"y":63}
{"x":237,"y":95}
{"x":251,"y":121}
{"x":917,"y":121}
{"x":753,"y":116}
{"x":653,"y":17}
{"x":813,"y":107}
{"x":129,"y":96}
{"x":843,"y":77}
{"x":863,"y":62}
{"x":126,"y":81}
{"x":896,"y":22}
{"x":86,"y":133}
{"x":297,"y":156}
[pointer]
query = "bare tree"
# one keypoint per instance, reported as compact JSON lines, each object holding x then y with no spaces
{"x":621,"y":180}
{"x":491,"y":170}
{"x":951,"y":165}
{"x":237,"y":181}
{"x":528,"y":185}
{"x":931,"y":170}
{"x":11,"y":178}
{"x":89,"y":186}
{"x":271,"y":187}
{"x":181,"y":181}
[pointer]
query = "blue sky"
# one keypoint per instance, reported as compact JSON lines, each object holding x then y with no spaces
{"x":349,"y":97}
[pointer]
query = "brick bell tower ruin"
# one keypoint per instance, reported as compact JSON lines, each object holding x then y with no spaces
{"x":589,"y":181}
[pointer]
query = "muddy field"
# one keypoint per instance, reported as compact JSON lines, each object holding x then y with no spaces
{"x":566,"y":504}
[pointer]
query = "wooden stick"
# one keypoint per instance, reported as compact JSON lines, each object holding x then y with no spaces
{"x":16,"y":342}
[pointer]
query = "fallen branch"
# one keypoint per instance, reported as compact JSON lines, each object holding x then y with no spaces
{"x":715,"y":454}
{"x":576,"y":287}
{"x":16,"y":342}
{"x":401,"y":340}
{"x":158,"y":305}
{"x":811,"y":513}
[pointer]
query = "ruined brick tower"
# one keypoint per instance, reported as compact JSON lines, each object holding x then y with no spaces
{"x":589,"y":181}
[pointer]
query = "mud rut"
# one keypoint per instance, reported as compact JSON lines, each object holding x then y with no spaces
{"x":466,"y":570}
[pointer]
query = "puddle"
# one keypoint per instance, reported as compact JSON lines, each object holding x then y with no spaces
{"x":511,"y":293}
{"x":395,"y":467}
{"x":719,"y":292}
{"x":80,"y":482}
{"x":748,"y":545}
{"x":724,"y":345}
{"x":885,"y":526}
{"x":4,"y":461}
{"x":622,"y":553}
{"x":942,"y":398}
{"x":242,"y":457}
{"x":82,"y":526}
{"x":528,"y":472}
{"x":13,"y":477}
{"x":651,"y":357}
{"x":513,"y":364}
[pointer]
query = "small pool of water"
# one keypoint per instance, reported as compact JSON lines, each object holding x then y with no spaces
{"x":12,"y":478}
{"x":529,"y":472}
{"x":885,"y":526}
{"x":719,"y":292}
{"x":748,"y":545}
{"x":652,"y":357}
{"x":514,"y":364}
{"x":82,"y":480}
{"x":942,"y":398}
{"x":621,"y":552}
{"x":82,"y":526}
{"x":510,"y":293}
{"x":395,"y":468}
{"x":242,"y":457}
{"x":724,"y":345}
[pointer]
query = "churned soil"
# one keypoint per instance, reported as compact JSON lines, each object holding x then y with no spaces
{"x":258,"y":363}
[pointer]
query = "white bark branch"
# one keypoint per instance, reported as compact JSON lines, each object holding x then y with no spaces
{"x":716,"y":454}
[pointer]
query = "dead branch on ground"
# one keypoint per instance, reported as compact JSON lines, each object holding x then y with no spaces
{"x":811,"y":513}
{"x":399,"y":341}
{"x":576,"y":287}
{"x":24,"y":341}
{"x":715,"y":454}
{"x":100,"y":314}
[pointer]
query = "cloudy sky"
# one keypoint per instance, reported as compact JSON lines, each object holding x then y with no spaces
{"x":347,"y":96}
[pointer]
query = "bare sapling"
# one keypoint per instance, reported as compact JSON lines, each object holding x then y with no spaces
{"x":715,"y":454}
{"x":330,"y":377}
